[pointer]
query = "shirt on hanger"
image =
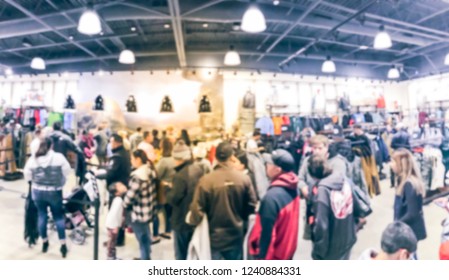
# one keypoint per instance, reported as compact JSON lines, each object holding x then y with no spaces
{"x":266,"y":126}
{"x":277,"y":123}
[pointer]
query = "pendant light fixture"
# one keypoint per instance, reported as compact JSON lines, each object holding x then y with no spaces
{"x":69,"y":103}
{"x":393,"y":73}
{"x":38,"y":63}
{"x":446,"y":60}
{"x":382,"y":39}
{"x":253,"y":20}
{"x":232,"y":58}
{"x":131,"y":105}
{"x":166,"y":106}
{"x":204,"y":105}
{"x":328,"y":66}
{"x":127,"y":57}
{"x":89,"y":23}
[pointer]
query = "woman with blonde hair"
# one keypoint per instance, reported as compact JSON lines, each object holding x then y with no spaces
{"x":410,"y":192}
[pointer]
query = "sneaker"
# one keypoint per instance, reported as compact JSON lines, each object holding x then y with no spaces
{"x":45,"y":246}
{"x":155,"y":241}
{"x":63,"y":250}
{"x":166,"y":235}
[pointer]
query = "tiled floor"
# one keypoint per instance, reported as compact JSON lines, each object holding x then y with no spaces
{"x":13,"y":246}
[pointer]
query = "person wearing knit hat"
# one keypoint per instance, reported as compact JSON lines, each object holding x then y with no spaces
{"x":200,"y":153}
{"x":180,"y":196}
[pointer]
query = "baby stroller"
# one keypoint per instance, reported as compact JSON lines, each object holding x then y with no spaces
{"x":78,"y":209}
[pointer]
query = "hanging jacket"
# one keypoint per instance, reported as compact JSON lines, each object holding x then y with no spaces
{"x":249,"y":100}
{"x":333,"y":230}
{"x":275,"y":234}
{"x":266,"y":126}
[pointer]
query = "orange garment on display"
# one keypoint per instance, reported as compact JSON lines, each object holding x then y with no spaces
{"x":277,"y":123}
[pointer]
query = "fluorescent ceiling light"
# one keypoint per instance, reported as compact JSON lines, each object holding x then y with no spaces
{"x":328,"y":66}
{"x":89,"y":23}
{"x":127,"y":57}
{"x":276,"y":2}
{"x":253,"y":20}
{"x":363,"y":47}
{"x":38,"y":63}
{"x":382,"y":40}
{"x":133,"y":29}
{"x":232,"y":58}
{"x":393,"y":73}
{"x":167,"y":26}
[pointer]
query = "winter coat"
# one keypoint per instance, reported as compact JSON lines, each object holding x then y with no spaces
{"x":63,"y":144}
{"x":256,"y":166}
{"x":227,"y":197}
{"x":141,"y":195}
{"x":181,"y":194}
{"x":119,"y":167}
{"x":401,"y":139}
{"x":408,"y":208}
{"x":47,"y":173}
{"x":165,"y":171}
{"x":275,"y":234}
{"x":333,"y":228}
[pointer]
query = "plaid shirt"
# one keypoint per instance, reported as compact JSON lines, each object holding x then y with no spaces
{"x":141,"y":195}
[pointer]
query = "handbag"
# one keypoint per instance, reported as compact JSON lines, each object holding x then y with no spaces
{"x":361,"y":202}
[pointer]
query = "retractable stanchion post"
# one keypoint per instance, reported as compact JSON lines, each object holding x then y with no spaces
{"x":97,"y":218}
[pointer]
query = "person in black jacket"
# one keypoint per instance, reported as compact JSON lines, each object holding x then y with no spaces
{"x":408,"y":203}
{"x":118,"y":170}
{"x":333,"y":227}
{"x":401,"y":139}
{"x":180,"y":195}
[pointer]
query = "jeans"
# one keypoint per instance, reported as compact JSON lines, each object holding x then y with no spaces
{"x":52,"y":199}
{"x":143,"y":235}
{"x":233,"y":254}
{"x":182,"y":240}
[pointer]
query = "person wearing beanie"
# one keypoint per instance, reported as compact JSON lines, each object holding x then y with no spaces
{"x":180,"y":195}
{"x":275,"y":233}
{"x":398,"y":243}
{"x":226,"y":198}
{"x":200,"y":153}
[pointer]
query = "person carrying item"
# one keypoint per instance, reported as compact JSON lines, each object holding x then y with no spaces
{"x":180,"y":196}
{"x":275,"y":233}
{"x":118,"y":170}
{"x":332,"y":223}
{"x":141,"y":198}
{"x":226,"y":197}
{"x":48,"y":171}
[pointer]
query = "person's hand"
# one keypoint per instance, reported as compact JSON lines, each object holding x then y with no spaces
{"x":305,"y":192}
{"x":121,"y":189}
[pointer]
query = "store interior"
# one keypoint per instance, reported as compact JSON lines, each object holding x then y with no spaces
{"x":200,"y":65}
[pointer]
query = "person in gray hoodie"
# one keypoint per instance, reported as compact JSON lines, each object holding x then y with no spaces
{"x":48,"y":171}
{"x":320,"y":147}
{"x":333,"y":222}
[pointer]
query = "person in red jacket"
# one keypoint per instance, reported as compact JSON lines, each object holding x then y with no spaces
{"x":275,"y":233}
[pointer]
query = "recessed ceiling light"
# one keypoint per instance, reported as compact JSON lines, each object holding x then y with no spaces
{"x":101,"y":33}
{"x":236,"y":26}
{"x":205,"y":25}
{"x":9,"y":72}
{"x":363,"y":47}
{"x":166,"y":26}
{"x":71,"y":38}
{"x":133,"y":29}
{"x":276,"y":2}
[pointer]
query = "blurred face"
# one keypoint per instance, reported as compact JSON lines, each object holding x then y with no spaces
{"x":114,"y":144}
{"x":273,"y":171}
{"x":237,"y":164}
{"x":320,"y":149}
{"x":149,"y":138}
{"x":358,"y":131}
{"x":136,"y":162}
